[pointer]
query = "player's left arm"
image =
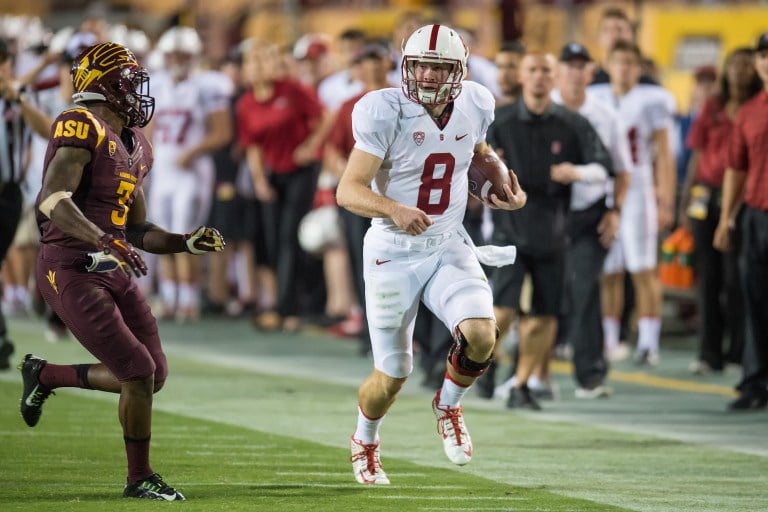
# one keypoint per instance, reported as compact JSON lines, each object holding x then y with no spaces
{"x":154,"y":239}
{"x":665,"y":178}
{"x":516,"y":196}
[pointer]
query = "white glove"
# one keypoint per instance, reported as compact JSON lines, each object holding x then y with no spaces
{"x":496,"y":255}
{"x":105,"y":262}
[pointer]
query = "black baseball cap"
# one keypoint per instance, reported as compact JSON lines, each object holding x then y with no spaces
{"x":574,"y":51}
{"x":762,"y":42}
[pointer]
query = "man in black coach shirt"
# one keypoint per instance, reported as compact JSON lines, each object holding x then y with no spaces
{"x":535,"y":136}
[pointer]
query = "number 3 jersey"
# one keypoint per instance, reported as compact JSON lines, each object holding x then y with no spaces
{"x":423,"y":166}
{"x":109,"y":181}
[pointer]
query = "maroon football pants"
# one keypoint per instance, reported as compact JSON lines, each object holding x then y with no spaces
{"x":106,"y":312}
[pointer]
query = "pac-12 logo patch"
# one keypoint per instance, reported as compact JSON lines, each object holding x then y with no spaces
{"x":418,"y":138}
{"x":112,"y":147}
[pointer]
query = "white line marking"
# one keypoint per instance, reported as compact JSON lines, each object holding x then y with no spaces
{"x":454,"y":498}
{"x":336,"y":473}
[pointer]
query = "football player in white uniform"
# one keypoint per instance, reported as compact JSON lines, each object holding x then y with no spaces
{"x":648,"y":207}
{"x":191,"y":120}
{"x":408,"y":171}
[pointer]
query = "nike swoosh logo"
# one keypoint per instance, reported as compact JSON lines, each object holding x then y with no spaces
{"x":459,"y":138}
{"x":27,"y":402}
{"x":381,"y":262}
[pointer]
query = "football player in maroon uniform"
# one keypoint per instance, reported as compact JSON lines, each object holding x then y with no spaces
{"x":91,"y":213}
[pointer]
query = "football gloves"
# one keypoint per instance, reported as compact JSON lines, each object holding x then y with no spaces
{"x":204,"y":239}
{"x":116,"y":253}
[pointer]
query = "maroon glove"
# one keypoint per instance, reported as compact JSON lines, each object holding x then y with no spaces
{"x":124,"y":251}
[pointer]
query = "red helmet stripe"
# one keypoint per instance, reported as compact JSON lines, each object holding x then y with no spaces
{"x":433,"y":37}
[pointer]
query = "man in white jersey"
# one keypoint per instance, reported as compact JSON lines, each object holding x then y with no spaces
{"x":592,"y":225}
{"x":191,"y":121}
{"x":408,"y":171}
{"x":648,"y":208}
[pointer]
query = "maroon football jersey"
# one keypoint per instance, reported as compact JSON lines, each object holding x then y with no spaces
{"x":110,"y":180}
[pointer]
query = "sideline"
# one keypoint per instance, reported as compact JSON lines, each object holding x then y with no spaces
{"x":652,"y":381}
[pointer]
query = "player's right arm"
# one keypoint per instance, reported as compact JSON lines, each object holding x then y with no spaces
{"x":62,"y":178}
{"x":354,"y":193}
{"x":374,"y":121}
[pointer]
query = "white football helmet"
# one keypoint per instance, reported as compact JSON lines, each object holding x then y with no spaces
{"x":440,"y":44}
{"x":320,"y":229}
{"x":180,"y":40}
{"x":180,"y":48}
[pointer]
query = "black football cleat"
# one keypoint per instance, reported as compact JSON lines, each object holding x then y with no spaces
{"x":749,"y":402}
{"x":6,"y":351}
{"x":521,"y":398}
{"x":152,"y":488}
{"x":34,"y":393}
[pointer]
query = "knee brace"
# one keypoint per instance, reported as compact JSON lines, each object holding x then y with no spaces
{"x":459,"y":360}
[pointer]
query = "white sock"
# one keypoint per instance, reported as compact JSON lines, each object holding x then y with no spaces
{"x":19,"y":294}
{"x":451,"y":393}
{"x":242,"y":278}
{"x":188,"y":296}
{"x":168,"y":293}
{"x":367,"y":431}
{"x":648,"y":332}
{"x":610,"y":332}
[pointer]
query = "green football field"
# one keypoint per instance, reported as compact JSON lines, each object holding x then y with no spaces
{"x":249,"y":421}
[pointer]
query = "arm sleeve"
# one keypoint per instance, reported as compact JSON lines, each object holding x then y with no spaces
{"x":592,"y":148}
{"x":592,"y":173}
{"x":738,"y":155}
{"x":697,"y":135}
{"x":244,"y":136}
{"x":306,"y":102}
{"x":660,"y":112}
{"x":485,"y":104}
{"x":215,"y":92}
{"x":373,"y":125}
{"x":620,"y":152}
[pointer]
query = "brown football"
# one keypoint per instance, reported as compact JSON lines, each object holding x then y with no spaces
{"x":487,"y":175}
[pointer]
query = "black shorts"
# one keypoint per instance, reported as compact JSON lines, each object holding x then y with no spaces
{"x":547,"y":276}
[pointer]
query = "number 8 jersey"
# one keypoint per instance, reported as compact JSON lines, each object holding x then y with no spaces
{"x":423,"y":166}
{"x":109,"y":181}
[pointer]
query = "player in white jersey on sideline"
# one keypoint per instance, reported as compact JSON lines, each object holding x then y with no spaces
{"x":649,"y":205}
{"x":191,"y":120}
{"x":408,"y":171}
{"x":594,"y":221}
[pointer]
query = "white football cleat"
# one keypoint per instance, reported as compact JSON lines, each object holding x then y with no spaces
{"x":366,"y":463}
{"x":450,"y":425}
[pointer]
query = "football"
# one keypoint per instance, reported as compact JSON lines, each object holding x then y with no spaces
{"x":487,"y":175}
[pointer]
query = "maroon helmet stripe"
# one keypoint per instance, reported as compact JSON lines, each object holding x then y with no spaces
{"x":433,"y":37}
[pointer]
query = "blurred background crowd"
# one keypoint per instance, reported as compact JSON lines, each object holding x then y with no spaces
{"x":252,"y":130}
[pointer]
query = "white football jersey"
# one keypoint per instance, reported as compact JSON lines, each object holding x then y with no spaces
{"x":424,"y":166}
{"x":643,"y":110}
{"x":610,"y":129}
{"x":181,"y":110}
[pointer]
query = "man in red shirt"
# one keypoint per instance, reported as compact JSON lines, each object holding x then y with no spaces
{"x":747,"y":178}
